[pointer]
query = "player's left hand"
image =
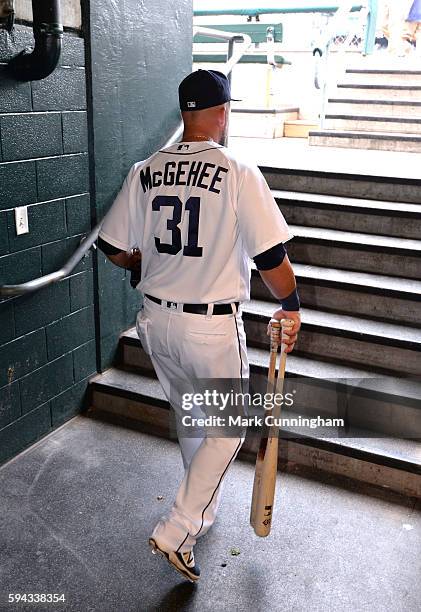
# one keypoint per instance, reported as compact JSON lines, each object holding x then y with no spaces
{"x":292,"y":333}
{"x":135,"y":260}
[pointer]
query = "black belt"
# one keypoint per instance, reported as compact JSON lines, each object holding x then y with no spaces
{"x":218,"y":309}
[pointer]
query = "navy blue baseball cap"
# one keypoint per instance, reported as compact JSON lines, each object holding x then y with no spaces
{"x":203,"y":89}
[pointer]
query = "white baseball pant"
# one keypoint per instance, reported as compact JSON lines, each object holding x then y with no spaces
{"x":185,"y":347}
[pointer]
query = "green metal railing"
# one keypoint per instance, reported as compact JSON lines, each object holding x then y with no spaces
{"x":340,"y":26}
{"x":275,"y":8}
{"x":294,"y":7}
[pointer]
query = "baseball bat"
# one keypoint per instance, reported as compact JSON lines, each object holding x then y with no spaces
{"x":267,"y":457}
{"x":275,"y":327}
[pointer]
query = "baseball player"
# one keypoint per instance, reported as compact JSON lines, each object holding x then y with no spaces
{"x":395,"y":12}
{"x":194,"y":215}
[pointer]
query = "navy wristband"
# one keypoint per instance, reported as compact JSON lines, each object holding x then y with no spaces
{"x":291,"y":302}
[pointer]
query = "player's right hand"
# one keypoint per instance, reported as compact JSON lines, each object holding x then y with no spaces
{"x":292,"y":332}
{"x":135,"y":260}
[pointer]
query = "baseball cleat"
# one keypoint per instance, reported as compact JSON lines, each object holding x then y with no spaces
{"x":182,"y":562}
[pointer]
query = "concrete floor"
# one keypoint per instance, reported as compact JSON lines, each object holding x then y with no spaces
{"x":297,"y":154}
{"x":76,"y":510}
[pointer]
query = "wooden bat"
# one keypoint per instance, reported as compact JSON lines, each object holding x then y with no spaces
{"x":267,"y":456}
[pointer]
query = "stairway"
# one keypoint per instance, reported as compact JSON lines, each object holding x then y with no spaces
{"x":357,"y":261}
{"x":374,"y":108}
{"x":261,"y":122}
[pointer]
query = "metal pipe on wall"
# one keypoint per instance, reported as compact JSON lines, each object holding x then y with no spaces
{"x":7,"y":14}
{"x":48,"y":33}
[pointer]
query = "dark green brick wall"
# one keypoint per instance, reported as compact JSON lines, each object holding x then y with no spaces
{"x":51,"y":341}
{"x":135,"y":108}
{"x":47,"y":339}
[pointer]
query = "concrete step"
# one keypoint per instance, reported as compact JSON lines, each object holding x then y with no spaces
{"x":386,"y":348}
{"x":383,"y":347}
{"x":132,"y":356}
{"x":356,"y":123}
{"x":377,"y":297}
{"x":132,"y":399}
{"x":299,"y":128}
{"x":138,"y":401}
{"x":381,"y":76}
{"x":383,"y":405}
{"x":354,"y":251}
{"x":385,"y":108}
{"x":397,"y":219}
{"x":261,"y":122}
{"x":287,"y":111}
{"x":408,"y":91}
{"x":378,"y":141}
{"x":347,"y":185}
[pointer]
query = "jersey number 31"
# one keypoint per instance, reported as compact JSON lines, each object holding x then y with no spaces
{"x":193,"y":206}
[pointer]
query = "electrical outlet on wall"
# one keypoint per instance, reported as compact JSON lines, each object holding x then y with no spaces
{"x":21,"y":220}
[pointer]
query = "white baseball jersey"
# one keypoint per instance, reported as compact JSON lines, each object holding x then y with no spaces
{"x":197,"y":214}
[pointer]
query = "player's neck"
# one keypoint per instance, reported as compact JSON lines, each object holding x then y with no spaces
{"x":193,"y":137}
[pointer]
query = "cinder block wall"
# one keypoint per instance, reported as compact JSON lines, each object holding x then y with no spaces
{"x":138,"y":52}
{"x":117,"y":82}
{"x":47,"y":339}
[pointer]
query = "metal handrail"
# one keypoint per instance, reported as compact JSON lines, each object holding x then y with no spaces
{"x":341,"y":16}
{"x":339,"y":22}
{"x":88,"y":241}
{"x":231,"y":37}
{"x":43,"y":281}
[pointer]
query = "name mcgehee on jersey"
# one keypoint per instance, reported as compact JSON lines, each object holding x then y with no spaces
{"x":204,"y":175}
